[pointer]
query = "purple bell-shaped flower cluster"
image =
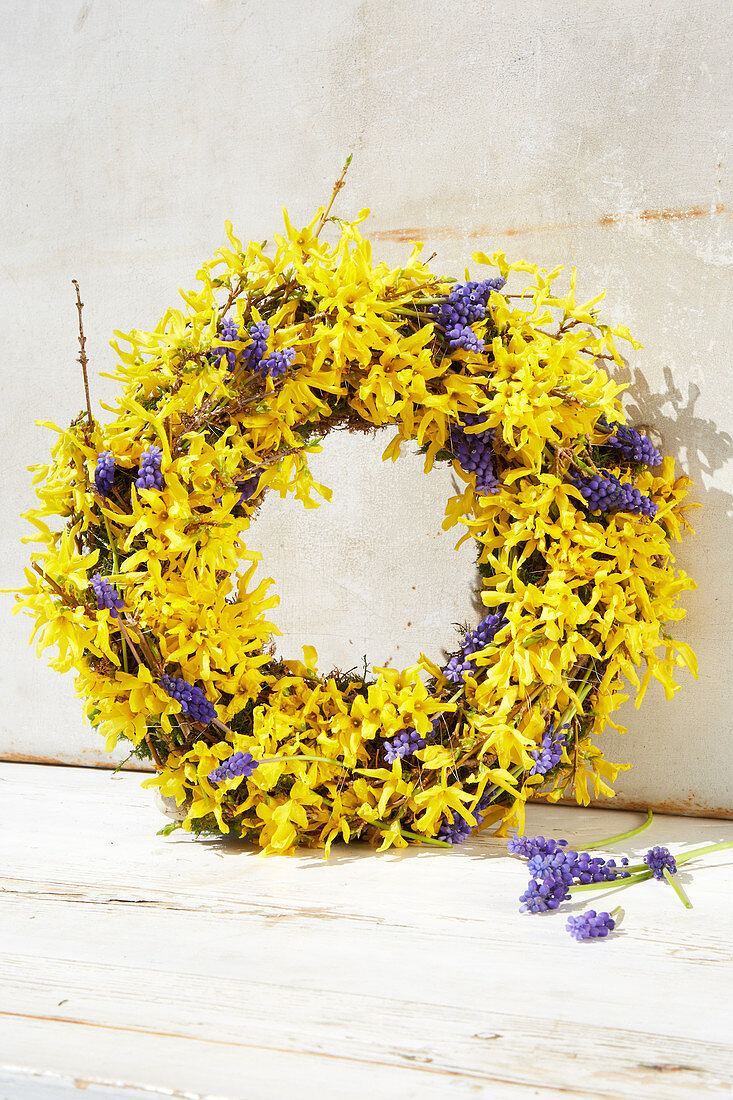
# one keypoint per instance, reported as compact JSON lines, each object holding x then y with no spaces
{"x":229,"y":331}
{"x":107,"y":595}
{"x":404,"y":744}
{"x":528,"y":846}
{"x":255,"y":352}
{"x":454,"y":829}
{"x":240,"y":763}
{"x":104,"y":473}
{"x":475,"y":453}
{"x":194,"y":703}
{"x":465,"y":305}
{"x":276,"y":364}
{"x":590,"y":925}
{"x":605,"y":493}
{"x":247,"y":487}
{"x":149,"y":475}
{"x":550,"y":752}
{"x":461,"y":665}
{"x":634,"y":446}
{"x":657,"y":859}
{"x":541,"y":896}
{"x":572,"y":867}
{"x":555,"y":868}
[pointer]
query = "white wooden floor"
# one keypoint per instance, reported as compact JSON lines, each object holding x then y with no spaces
{"x":137,"y":966}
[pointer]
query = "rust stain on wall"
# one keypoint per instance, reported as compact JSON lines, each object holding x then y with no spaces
{"x":412,"y":233}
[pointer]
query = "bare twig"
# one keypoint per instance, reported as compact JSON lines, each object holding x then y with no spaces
{"x":336,"y":188}
{"x":154,"y":752}
{"x":56,"y":587}
{"x":82,"y":354}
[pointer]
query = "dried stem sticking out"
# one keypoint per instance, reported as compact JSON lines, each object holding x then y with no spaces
{"x":336,"y":188}
{"x":83,"y":355}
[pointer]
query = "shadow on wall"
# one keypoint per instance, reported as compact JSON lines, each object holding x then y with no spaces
{"x":698,"y":444}
{"x":701,"y":450}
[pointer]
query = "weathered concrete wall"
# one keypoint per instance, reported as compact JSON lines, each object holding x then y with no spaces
{"x":588,"y":134}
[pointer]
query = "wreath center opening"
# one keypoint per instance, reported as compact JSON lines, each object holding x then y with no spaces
{"x":370,"y":573}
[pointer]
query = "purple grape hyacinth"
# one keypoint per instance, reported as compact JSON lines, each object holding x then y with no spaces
{"x":465,"y":305}
{"x":149,"y":475}
{"x":276,"y":364}
{"x":240,"y":763}
{"x":454,"y":829}
{"x":194,"y":703}
{"x":555,"y":868}
{"x":256,"y":351}
{"x":573,"y":867}
{"x":247,"y":487}
{"x":460,"y":666}
{"x":657,"y":859}
{"x":634,"y":446}
{"x":550,"y":752}
{"x":228,"y":330}
{"x":104,"y":473}
{"x":404,"y":744}
{"x":590,"y":925}
{"x":605,"y":493}
{"x":543,"y":895}
{"x":475,"y":452}
{"x":528,"y":846}
{"x":107,"y":596}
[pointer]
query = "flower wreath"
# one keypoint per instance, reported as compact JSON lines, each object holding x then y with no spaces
{"x":572,"y":513}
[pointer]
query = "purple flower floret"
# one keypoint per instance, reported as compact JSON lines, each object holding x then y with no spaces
{"x":465,"y":304}
{"x":555,"y":868}
{"x":590,"y":925}
{"x":104,"y":473}
{"x":247,"y":487}
{"x":256,"y":351}
{"x":634,"y":446}
{"x":241,"y":763}
{"x":529,"y":846}
{"x":549,"y":754}
{"x":544,"y":895}
{"x":475,"y":452}
{"x":657,"y":859}
{"x":460,"y":665}
{"x":107,"y":596}
{"x":605,"y":493}
{"x":575,"y":867}
{"x":454,"y":829}
{"x":194,"y":703}
{"x":276,"y":364}
{"x":404,"y":744}
{"x":228,"y":330}
{"x":149,"y":475}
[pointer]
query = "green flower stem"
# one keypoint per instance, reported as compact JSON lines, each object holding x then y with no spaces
{"x":677,"y":888}
{"x":116,"y":569}
{"x":702,"y":851}
{"x":571,"y":709}
{"x":614,"y":884}
{"x":426,"y":839}
{"x":403,"y":311}
{"x":624,"y":836}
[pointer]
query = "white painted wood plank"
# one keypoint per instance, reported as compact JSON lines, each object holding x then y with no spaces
{"x":173,"y":964}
